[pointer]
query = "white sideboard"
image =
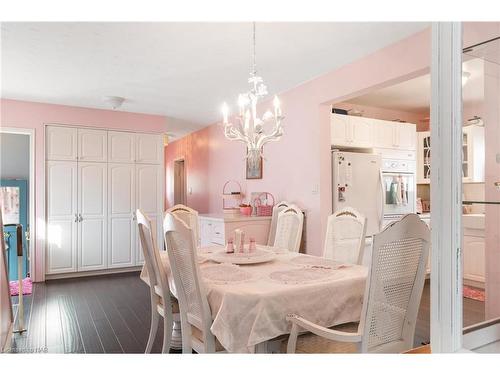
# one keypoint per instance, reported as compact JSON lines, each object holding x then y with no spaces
{"x":216,"y":229}
{"x":95,"y":181}
{"x":362,"y":132}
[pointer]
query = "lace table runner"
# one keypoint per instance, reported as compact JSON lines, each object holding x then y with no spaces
{"x":315,"y":262}
{"x":225,"y":274}
{"x":302,"y":275}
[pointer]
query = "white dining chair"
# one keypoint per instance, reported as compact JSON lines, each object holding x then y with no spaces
{"x":289,"y":228}
{"x":274,"y":220}
{"x":392,"y":295}
{"x":345,"y":236}
{"x":161,"y":302}
{"x":189,"y":216}
{"x":196,"y":318}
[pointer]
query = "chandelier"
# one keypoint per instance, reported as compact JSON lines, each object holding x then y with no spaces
{"x":249,"y":127}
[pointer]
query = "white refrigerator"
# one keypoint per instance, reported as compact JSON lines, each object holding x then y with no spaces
{"x":357,"y":183}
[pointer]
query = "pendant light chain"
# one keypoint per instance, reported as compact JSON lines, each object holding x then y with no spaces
{"x":254,"y":52}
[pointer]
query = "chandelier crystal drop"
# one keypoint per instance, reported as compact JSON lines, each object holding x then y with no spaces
{"x":249,"y":127}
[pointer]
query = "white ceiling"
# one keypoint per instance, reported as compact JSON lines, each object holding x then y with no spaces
{"x":414,"y":95}
{"x":180,"y":70}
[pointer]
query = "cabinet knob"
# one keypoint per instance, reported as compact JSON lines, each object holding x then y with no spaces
{"x":497,"y":184}
{"x":80,"y":218}
{"x":76,"y":218}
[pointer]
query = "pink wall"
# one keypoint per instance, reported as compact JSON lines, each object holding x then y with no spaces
{"x":21,"y":114}
{"x":194,"y":150}
{"x":297,"y":168}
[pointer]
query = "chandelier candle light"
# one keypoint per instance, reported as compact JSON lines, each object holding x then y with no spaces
{"x":250,"y":129}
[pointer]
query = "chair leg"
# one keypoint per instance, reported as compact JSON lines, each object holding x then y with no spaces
{"x":292,"y":339}
{"x":155,"y":320}
{"x":168,"y":325}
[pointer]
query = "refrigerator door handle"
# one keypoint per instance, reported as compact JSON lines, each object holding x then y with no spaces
{"x":382,"y":200}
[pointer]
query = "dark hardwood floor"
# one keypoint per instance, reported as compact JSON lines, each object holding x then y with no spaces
{"x":111,"y":314}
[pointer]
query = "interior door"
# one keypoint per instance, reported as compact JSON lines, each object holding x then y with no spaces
{"x":61,"y":216}
{"x":92,"y":145}
{"x":121,"y":214}
{"x":61,"y":143}
{"x":92,"y":224}
{"x":149,"y":200}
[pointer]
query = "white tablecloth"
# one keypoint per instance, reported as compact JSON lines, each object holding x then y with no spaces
{"x":251,"y":312}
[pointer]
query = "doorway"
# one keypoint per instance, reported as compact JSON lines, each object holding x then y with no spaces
{"x":17,"y":196}
{"x":180,"y":182}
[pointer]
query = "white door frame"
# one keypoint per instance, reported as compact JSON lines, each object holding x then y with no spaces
{"x":184,"y":177}
{"x":446,"y":187}
{"x":32,"y":203}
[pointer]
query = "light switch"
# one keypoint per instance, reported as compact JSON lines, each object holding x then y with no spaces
{"x":315,"y":189}
{"x":498,"y":158}
{"x":190,"y":190}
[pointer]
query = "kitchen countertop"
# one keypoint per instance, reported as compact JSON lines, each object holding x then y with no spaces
{"x":233,"y":218}
{"x":470,"y":221}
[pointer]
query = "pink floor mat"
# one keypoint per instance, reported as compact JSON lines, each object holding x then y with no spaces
{"x":27,"y":287}
{"x":473,"y":293}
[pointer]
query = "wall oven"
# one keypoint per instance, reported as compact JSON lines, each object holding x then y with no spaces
{"x":399,"y":187}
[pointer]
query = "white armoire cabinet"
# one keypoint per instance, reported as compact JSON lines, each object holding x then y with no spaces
{"x":121,"y":214}
{"x":62,"y":216}
{"x":95,"y":181}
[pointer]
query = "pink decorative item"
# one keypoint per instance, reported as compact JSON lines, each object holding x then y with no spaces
{"x":246,"y":211}
{"x":473,"y":293}
{"x":264,"y":209}
{"x":251,"y":246}
{"x":27,"y":287}
{"x":230,"y":246}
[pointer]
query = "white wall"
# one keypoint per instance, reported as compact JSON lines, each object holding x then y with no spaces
{"x":14,"y":156}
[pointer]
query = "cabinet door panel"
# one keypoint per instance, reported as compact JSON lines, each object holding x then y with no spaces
{"x":149,"y":148}
{"x":474,"y":258}
{"x":149,"y":188}
{"x":61,"y":245}
{"x":61,"y":217}
{"x":361,"y":131}
{"x":61,"y":143}
{"x":406,"y":136}
{"x":340,"y":130}
{"x":121,"y":207}
{"x":92,"y":207}
{"x":92,"y":145}
{"x":384,"y":134}
{"x":121,"y":147}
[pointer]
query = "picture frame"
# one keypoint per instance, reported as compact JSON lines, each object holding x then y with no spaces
{"x":254,"y":172}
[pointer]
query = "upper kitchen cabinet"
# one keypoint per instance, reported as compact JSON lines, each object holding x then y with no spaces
{"x":121,"y":147}
{"x":61,"y":143}
{"x":473,"y":154}
{"x":351,"y":131}
{"x":395,"y":135}
{"x":149,"y":149}
{"x":92,"y":145}
{"x":362,"y":132}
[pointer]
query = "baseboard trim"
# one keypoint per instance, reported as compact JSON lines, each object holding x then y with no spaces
{"x":92,"y":273}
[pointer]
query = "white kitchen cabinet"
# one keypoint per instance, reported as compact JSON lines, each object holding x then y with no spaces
{"x":361,"y":132}
{"x":340,"y":130}
{"x":121,"y":215}
{"x":473,"y":258}
{"x":121,"y":147}
{"x":61,"y":143}
{"x":473,"y":158}
{"x":92,"y":145}
{"x":424,"y":157}
{"x":92,"y":216}
{"x":394,"y":135}
{"x":351,"y":131}
{"x":149,"y":149}
{"x":62,"y":213}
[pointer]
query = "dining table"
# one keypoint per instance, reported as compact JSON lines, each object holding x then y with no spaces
{"x":249,"y":302}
